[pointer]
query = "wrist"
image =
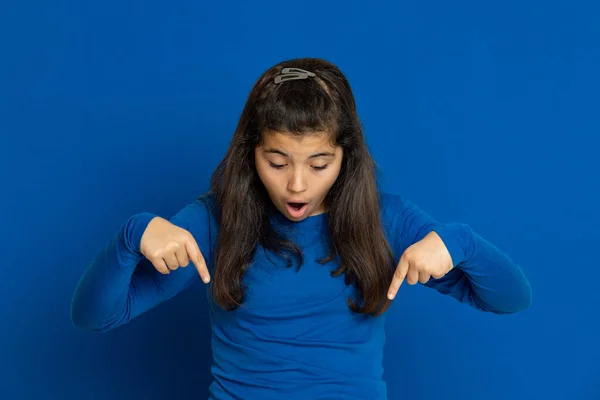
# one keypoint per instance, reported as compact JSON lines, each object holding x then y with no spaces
{"x":134,"y":229}
{"x":458,"y":240}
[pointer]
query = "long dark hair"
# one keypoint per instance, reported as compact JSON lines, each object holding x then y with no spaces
{"x":323,"y":103}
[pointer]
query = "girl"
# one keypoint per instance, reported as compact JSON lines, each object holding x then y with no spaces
{"x":301,"y":253}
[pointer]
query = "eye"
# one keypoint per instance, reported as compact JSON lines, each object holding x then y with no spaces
{"x":276,"y":166}
{"x":321,"y":167}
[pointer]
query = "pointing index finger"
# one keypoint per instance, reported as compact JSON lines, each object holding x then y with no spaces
{"x":198,"y":259}
{"x":398,"y":278}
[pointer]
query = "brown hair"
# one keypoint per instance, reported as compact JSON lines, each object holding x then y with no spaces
{"x":324,"y":103}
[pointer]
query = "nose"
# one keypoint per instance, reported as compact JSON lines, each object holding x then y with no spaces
{"x":297,"y":182}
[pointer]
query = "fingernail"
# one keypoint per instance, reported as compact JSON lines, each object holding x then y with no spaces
{"x":206,"y":279}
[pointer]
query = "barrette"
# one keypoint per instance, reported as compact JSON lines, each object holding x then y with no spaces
{"x":290,"y":74}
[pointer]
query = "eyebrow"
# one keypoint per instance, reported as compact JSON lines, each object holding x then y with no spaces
{"x":320,"y":154}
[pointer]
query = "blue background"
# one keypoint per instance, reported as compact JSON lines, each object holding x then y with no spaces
{"x":486,"y":114}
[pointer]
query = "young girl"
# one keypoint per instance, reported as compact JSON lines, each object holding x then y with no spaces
{"x":300,"y":251}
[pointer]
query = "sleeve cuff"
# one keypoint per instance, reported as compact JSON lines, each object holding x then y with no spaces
{"x":458,"y":239}
{"x":133,"y":230}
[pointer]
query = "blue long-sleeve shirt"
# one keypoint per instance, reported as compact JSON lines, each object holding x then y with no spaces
{"x":294,"y":336}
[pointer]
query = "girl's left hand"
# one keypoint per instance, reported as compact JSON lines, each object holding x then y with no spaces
{"x":426,"y":259}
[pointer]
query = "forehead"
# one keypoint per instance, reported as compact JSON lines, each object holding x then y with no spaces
{"x":298,"y":145}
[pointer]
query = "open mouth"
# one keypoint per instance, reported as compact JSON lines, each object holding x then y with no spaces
{"x":296,"y":210}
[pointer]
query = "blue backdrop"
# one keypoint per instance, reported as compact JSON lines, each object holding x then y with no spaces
{"x":486,"y":114}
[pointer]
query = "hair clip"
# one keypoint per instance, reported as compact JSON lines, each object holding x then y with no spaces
{"x":290,"y":74}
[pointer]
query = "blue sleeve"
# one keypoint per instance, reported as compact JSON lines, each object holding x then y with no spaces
{"x":483,"y":276}
{"x":120,"y":283}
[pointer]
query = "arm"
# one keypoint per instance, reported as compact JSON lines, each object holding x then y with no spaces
{"x":483,"y":276}
{"x":120,"y":283}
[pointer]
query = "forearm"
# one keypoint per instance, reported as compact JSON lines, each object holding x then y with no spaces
{"x":102,"y":297}
{"x":483,"y":275}
{"x":121,"y":283}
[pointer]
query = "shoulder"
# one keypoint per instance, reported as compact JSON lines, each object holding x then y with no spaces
{"x":391,"y":205}
{"x":198,"y":215}
{"x":387,"y":200}
{"x":405,"y":218}
{"x":209,"y":200}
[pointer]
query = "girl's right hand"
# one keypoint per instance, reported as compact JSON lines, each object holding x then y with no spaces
{"x":169,"y":247}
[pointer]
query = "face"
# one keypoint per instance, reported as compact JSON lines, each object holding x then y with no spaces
{"x":298,"y":172}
